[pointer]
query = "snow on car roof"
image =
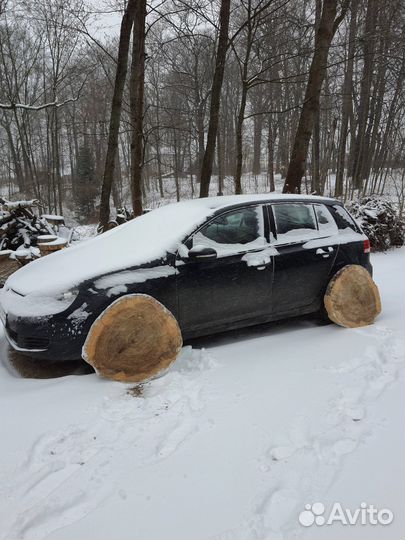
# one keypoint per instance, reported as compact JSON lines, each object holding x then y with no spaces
{"x":137,"y":242}
{"x":230,"y":200}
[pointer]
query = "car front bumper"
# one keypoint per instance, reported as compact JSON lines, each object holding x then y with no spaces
{"x":45,"y":338}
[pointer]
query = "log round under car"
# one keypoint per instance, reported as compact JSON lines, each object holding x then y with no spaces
{"x":133,"y":340}
{"x":352,"y":298}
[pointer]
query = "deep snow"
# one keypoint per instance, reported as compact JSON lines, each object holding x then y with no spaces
{"x":243,"y":431}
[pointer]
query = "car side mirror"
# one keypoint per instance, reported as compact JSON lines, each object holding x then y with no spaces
{"x":200,"y":252}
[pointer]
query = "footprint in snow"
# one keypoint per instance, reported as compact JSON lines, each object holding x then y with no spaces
{"x":65,"y":503}
{"x":309,"y":465}
{"x":277,"y":510}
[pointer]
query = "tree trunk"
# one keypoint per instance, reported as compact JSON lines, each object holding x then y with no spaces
{"x":374,"y":126}
{"x":379,"y":156}
{"x":257,"y":130}
{"x":15,"y":157}
{"x":220,"y":158}
{"x":136,"y":96}
{"x":257,"y":144}
{"x":364,"y":107}
{"x":316,"y":136}
{"x":270,"y":156}
{"x":346,"y":102}
{"x":56,"y":161}
{"x":176,"y":164}
{"x":328,"y":25}
{"x":206,"y":168}
{"x":315,"y":180}
{"x":200,"y":135}
{"x":327,"y":157}
{"x":239,"y":139}
{"x":115,"y":116}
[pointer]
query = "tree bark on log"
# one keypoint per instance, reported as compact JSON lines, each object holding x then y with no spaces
{"x":133,"y":340}
{"x":352,"y":298}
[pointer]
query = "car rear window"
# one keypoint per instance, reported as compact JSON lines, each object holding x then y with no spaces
{"x":342,"y":218}
{"x":326,"y":223}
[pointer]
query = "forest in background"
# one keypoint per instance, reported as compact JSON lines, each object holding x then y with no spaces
{"x":58,"y":77}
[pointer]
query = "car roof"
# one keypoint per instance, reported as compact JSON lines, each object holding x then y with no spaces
{"x":140,"y":241}
{"x":214,"y":203}
{"x":223,"y":202}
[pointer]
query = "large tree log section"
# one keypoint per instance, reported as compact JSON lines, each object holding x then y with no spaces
{"x":133,"y":340}
{"x":352,"y":298}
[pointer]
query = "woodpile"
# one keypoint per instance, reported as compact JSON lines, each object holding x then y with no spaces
{"x":352,"y":298}
{"x":133,"y":340}
{"x":49,"y":243}
{"x":25,"y":236}
{"x":19,"y":225}
{"x":123,"y":215}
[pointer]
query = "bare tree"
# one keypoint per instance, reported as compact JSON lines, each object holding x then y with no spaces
{"x":116,"y":106}
{"x":137,"y":83}
{"x":61,"y":89}
{"x":206,"y":168}
{"x":346,"y":100}
{"x":328,"y":25}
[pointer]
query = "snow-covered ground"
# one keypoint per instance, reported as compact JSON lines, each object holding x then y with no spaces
{"x":232,"y":443}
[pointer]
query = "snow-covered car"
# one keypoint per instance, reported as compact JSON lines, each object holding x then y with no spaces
{"x":217,"y":263}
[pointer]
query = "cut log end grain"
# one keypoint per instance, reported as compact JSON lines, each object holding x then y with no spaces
{"x":352,"y":298}
{"x":49,"y":244}
{"x":133,"y":340}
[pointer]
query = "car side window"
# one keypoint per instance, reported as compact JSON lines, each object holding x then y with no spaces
{"x":294,"y":222}
{"x":326,"y":223}
{"x":235,"y":231}
{"x":342,"y":218}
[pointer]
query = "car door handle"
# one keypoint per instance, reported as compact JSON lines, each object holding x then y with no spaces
{"x":261,"y":265}
{"x":325,"y":254}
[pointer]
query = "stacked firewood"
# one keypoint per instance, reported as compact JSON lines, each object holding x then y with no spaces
{"x":25,"y":236}
{"x":19,"y":226}
{"x":123,"y":215}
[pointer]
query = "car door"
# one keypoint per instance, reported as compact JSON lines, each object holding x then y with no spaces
{"x":306,"y":242}
{"x":234,"y":284}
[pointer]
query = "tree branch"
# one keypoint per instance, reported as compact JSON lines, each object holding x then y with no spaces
{"x":56,"y":104}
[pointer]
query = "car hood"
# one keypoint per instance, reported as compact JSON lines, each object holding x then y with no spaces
{"x":68,"y":268}
{"x":141,"y":241}
{"x":65,"y":269}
